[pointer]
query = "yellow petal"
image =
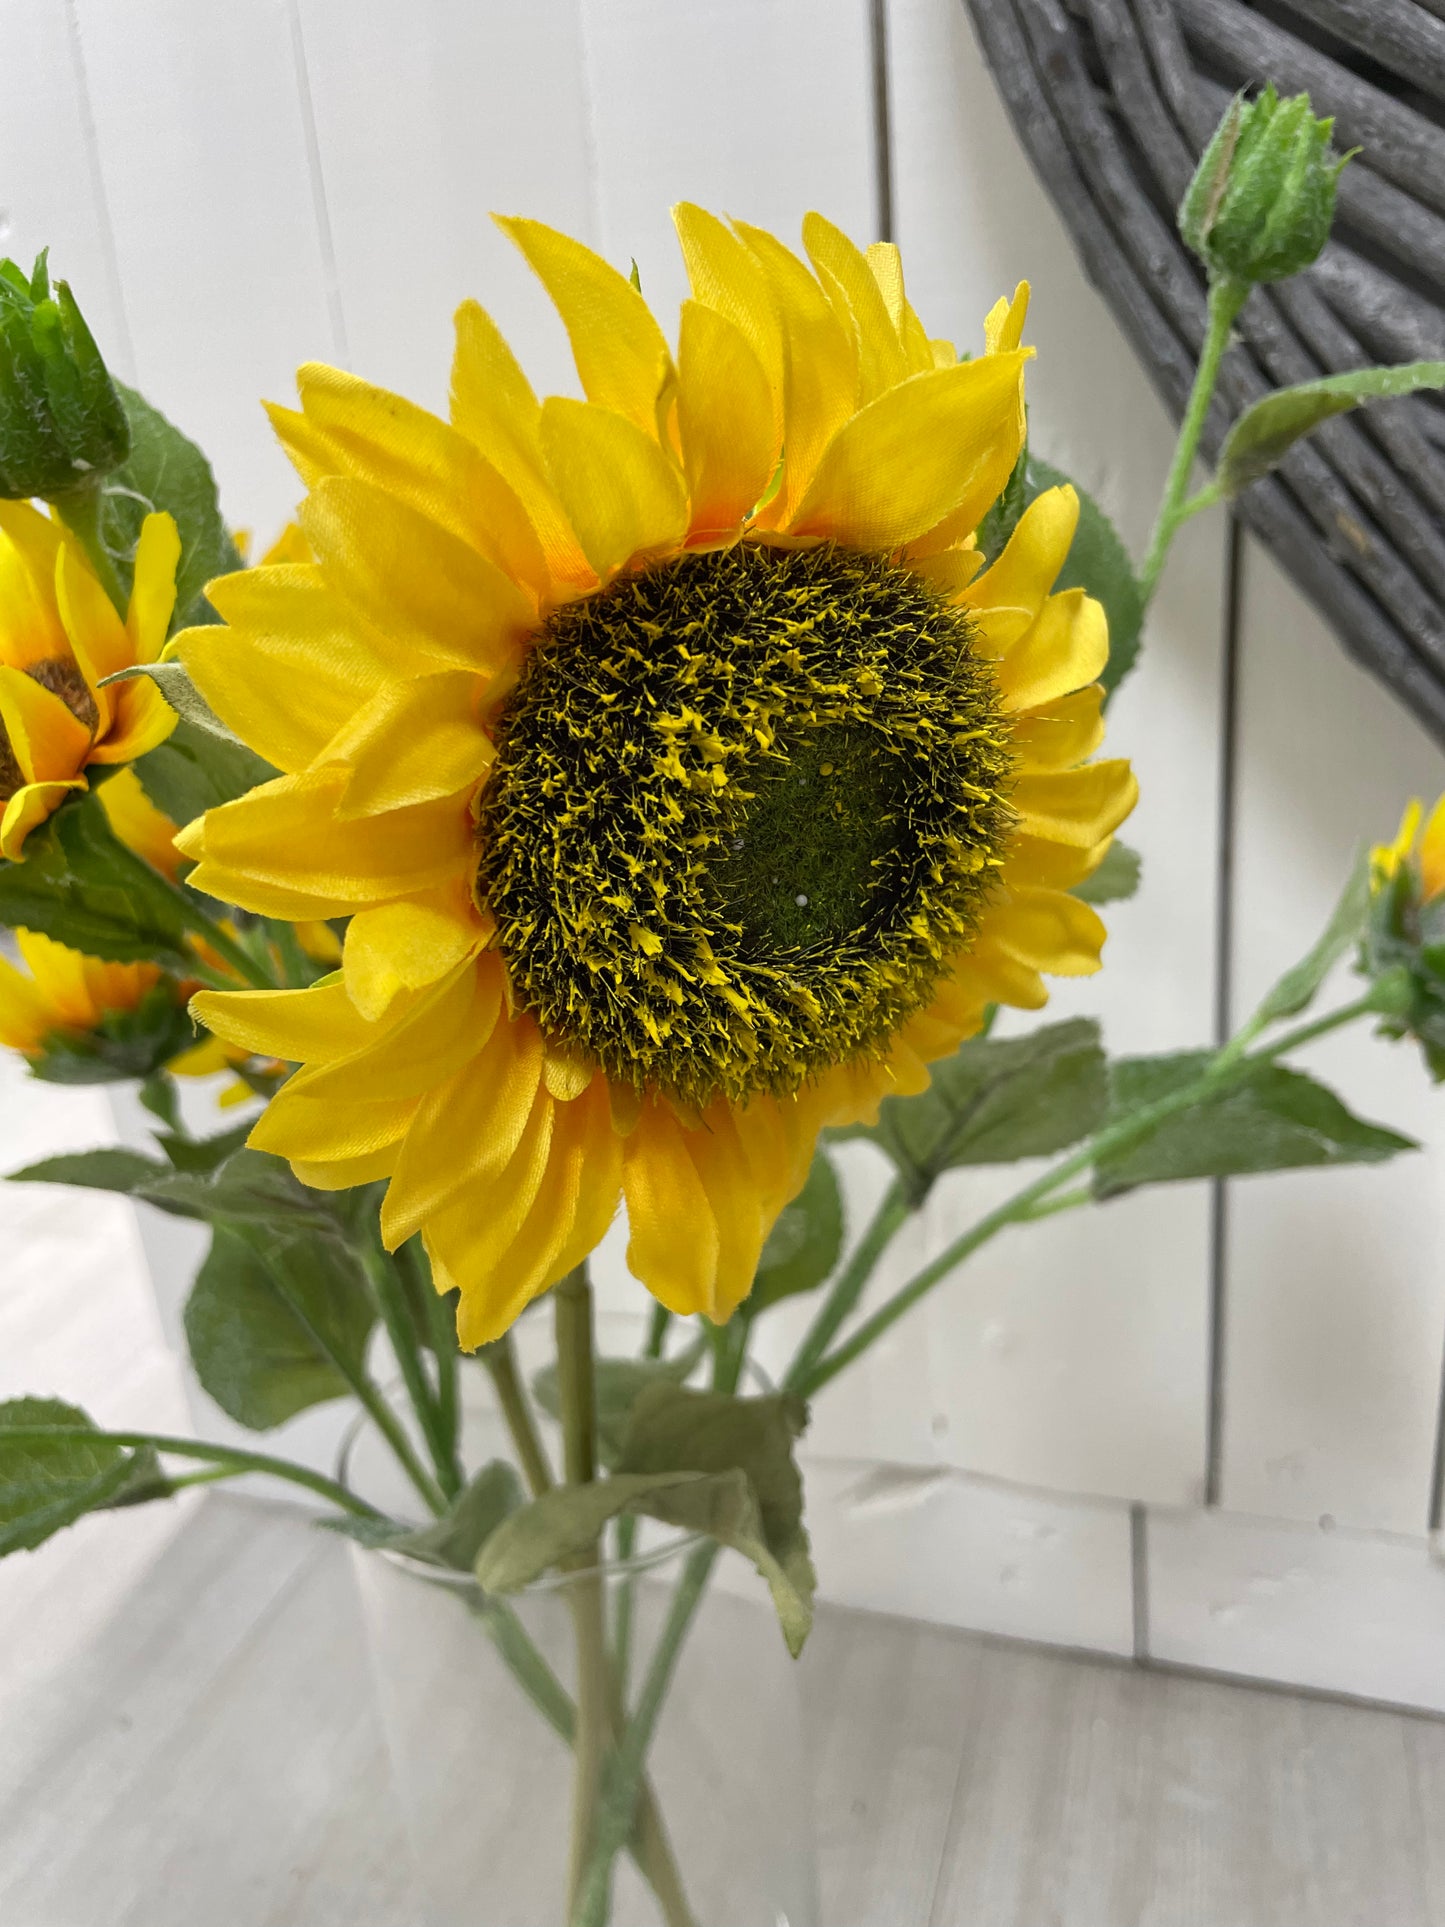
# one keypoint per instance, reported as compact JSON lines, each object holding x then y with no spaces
{"x":1001,"y":978}
{"x":413,"y":742}
{"x":624,"y":495}
{"x":842,"y":268}
{"x":1065,"y":649}
{"x":1062,"y":735}
{"x":28,"y":807}
{"x":314,"y":1131}
{"x":50,"y":745}
{"x":1011,"y":593}
{"x":821,"y":383}
{"x":725,"y":418}
{"x":319,"y":1025}
{"x":938,"y":444}
{"x":153,"y":588}
{"x":621,"y":355}
{"x":1077,"y":806}
{"x":728,"y":278}
{"x":430,"y":591}
{"x":139,"y":824}
{"x":1432,"y":852}
{"x":343,"y":1174}
{"x":26,"y":1017}
{"x":1059,"y":866}
{"x":408,"y":945}
{"x":141,"y":719}
{"x":1003,"y":326}
{"x":467,"y":1129}
{"x":674,"y":1243}
{"x":382,"y":438}
{"x":1048,"y":930}
{"x":439,"y":1032}
{"x":733,"y":1195}
{"x":287,"y":833}
{"x":292,"y":667}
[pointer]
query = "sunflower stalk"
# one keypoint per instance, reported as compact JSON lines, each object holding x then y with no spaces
{"x":389,"y":1291}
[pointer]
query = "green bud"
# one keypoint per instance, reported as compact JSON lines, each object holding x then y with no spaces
{"x":1263,"y":196}
{"x":62,"y":424}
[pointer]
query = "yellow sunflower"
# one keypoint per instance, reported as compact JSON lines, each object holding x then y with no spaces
{"x":61,"y":991}
{"x":687,"y":780}
{"x":59,"y":636}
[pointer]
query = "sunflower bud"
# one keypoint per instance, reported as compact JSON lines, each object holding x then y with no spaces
{"x":1404,"y":945}
{"x":61,"y":420}
{"x":1263,"y":196}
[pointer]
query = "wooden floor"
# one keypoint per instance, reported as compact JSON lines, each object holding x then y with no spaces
{"x":205,"y":1750}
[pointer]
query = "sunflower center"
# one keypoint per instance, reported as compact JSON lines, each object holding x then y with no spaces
{"x":746,"y":807}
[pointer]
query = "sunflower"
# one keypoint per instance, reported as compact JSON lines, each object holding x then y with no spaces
{"x":59,"y":637}
{"x":688,"y":780}
{"x":61,"y":993}
{"x":1387,"y":860}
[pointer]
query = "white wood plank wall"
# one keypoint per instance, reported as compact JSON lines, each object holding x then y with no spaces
{"x":235,"y":189}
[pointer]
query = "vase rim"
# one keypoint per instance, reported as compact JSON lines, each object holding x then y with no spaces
{"x":674,"y":1547}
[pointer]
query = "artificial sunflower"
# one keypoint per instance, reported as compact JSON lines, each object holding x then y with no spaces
{"x":689,"y":782}
{"x":60,"y":636}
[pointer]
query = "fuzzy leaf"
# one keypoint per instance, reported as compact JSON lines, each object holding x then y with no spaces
{"x":103,"y":1170}
{"x":49,"y":1483}
{"x":1297,"y":987}
{"x":80,"y":885}
{"x":192,"y":772}
{"x":994,"y":1101}
{"x":473,"y":1516}
{"x":248,"y":1187}
{"x":618,"y":1382}
{"x":1265,"y":433}
{"x":1272,"y":1120}
{"x":174,"y":683}
{"x":1099,"y":563}
{"x":563,"y":1524}
{"x":1116,"y":878}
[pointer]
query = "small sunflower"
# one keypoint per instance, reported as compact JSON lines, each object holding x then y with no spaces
{"x":59,"y":637}
{"x":687,"y":780}
{"x":60,"y":992}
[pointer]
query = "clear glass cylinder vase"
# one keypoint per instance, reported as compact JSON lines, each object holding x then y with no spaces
{"x":475,"y":1695}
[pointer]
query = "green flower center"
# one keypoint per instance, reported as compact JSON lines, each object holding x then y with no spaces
{"x":747,"y":807}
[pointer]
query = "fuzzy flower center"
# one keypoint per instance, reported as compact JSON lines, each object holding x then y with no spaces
{"x":746,"y":808}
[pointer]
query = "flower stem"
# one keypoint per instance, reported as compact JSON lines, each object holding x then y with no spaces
{"x":500,"y":1359}
{"x":848,"y":1287}
{"x":441,"y":1323}
{"x":1226,"y":298}
{"x":577,"y":1397}
{"x":1226,"y":1067}
{"x":389,"y":1290}
{"x":234,"y":1461}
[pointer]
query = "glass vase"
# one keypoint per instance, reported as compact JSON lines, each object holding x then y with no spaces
{"x":476,"y":1694}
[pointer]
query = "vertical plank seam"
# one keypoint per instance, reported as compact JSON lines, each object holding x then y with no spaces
{"x":320,"y":206}
{"x":91,"y":140}
{"x":882,"y":120}
{"x":1139,"y":1580}
{"x":1223,"y":995}
{"x":1436,"y":1518}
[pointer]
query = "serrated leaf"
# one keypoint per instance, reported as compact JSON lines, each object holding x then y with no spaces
{"x":1272,"y":1119}
{"x":174,"y":683}
{"x":734,"y":1439}
{"x":473,"y":1516}
{"x":994,"y":1101}
{"x":266,"y":1320}
{"x":1099,"y":563}
{"x":165,"y":470}
{"x":49,"y":1483}
{"x":1265,"y":433}
{"x":248,"y":1187}
{"x":80,"y":885}
{"x":1115,"y":880}
{"x":1003,"y":518}
{"x":1297,"y":987}
{"x":103,"y":1170}
{"x":617,"y":1383}
{"x":200,"y":1155}
{"x":803,"y":1246}
{"x":192,"y":772}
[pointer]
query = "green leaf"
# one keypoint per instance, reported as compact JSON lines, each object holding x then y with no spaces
{"x":248,"y":1187}
{"x":618,"y":1382}
{"x":124,"y":1045}
{"x":994,"y":1101}
{"x":748,"y":1441}
{"x":1099,"y":563}
{"x":473,"y":1516}
{"x":1272,"y":1119}
{"x":165,"y":470}
{"x":49,"y":1483}
{"x":562,"y":1525}
{"x":174,"y":682}
{"x":201,"y":1155}
{"x":192,"y":772}
{"x":104,"y":1170}
{"x":804,"y":1244}
{"x":146,"y":1480}
{"x":1116,"y":878}
{"x":1003,"y":518}
{"x":1265,"y":433}
{"x":80,"y":885}
{"x":1297,"y":987}
{"x":263,"y":1318}
{"x":160,"y":1097}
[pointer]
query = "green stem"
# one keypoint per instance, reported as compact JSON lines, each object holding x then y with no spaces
{"x":389,"y":1290}
{"x":577,"y":1398}
{"x":79,"y":510}
{"x":848,"y":1287}
{"x":656,"y":1331}
{"x":1224,"y":1068}
{"x":1226,"y":298}
{"x":500,"y":1359}
{"x":441,"y":1323}
{"x":222,"y":1455}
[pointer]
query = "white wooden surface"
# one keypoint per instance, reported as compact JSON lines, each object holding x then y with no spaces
{"x":233,"y":190}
